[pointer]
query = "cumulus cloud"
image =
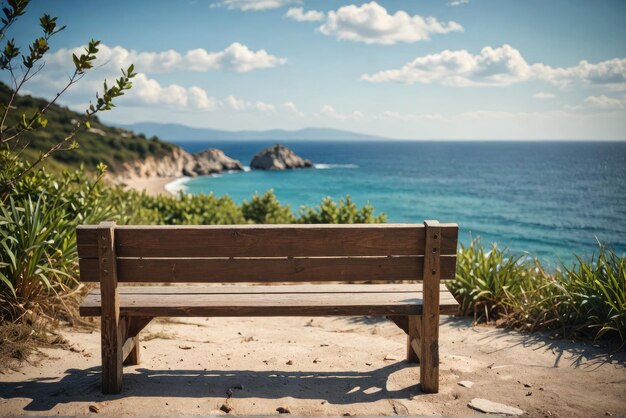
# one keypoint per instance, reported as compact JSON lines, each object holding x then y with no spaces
{"x":240,"y":105}
{"x":500,"y":66}
{"x":329,"y":111}
{"x":457,"y":2}
{"x":605,"y":103}
{"x":372,"y":24}
{"x":253,"y":5}
{"x":236,"y":57}
{"x":298,"y":14}
{"x":543,"y":95}
{"x":148,"y":91}
{"x":292,"y":109}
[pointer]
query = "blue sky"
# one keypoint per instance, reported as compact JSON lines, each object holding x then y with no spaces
{"x":422,"y":69}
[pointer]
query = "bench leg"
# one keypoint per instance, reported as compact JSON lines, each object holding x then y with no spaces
{"x":413,"y":347}
{"x":429,"y":366}
{"x":112,"y":355}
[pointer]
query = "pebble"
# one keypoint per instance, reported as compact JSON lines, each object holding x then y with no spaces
{"x":226,"y":408}
{"x":466,"y":383}
{"x":289,"y":363}
{"x":94,"y":409}
{"x":489,"y":407}
{"x":283,"y":410}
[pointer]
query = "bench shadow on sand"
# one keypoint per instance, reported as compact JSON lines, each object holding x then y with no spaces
{"x":335,"y":387}
{"x":576,"y":354}
{"x":567,"y":353}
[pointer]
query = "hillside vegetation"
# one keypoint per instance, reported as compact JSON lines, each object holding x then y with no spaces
{"x":100,"y":143}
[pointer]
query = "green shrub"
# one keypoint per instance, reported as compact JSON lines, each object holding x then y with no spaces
{"x":266,"y":209}
{"x":343,"y":212}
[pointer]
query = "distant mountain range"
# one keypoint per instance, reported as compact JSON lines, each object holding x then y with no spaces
{"x":176,"y":132}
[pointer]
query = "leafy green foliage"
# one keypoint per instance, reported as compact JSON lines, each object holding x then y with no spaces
{"x":15,"y":127}
{"x":266,"y":209}
{"x":343,"y":212}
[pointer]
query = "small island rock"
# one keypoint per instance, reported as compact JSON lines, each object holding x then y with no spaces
{"x":278,"y":157}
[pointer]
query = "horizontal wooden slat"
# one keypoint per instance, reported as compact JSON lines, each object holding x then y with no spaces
{"x":267,"y":240}
{"x":261,"y":303}
{"x":192,"y":289}
{"x":267,"y":269}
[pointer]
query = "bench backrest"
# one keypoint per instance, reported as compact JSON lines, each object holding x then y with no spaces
{"x":267,"y":253}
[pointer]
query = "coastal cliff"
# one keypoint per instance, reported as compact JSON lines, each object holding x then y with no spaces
{"x":278,"y":157}
{"x":179,"y":163}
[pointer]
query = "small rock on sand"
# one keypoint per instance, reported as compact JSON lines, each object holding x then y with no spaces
{"x":283,"y":410}
{"x":94,"y":409}
{"x":466,"y":383}
{"x":489,"y":407}
{"x":226,"y":408}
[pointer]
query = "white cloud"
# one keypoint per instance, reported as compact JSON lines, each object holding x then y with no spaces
{"x":298,"y":14}
{"x":292,"y":109}
{"x":236,"y":57}
{"x":543,"y":95}
{"x":253,"y":5}
{"x":329,"y":111}
{"x":457,"y":2}
{"x":148,"y":91}
{"x":605,"y":103}
{"x":500,"y":66}
{"x":372,"y":24}
{"x":388,"y":114}
{"x":241,"y":105}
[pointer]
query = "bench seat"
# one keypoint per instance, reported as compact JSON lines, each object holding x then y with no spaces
{"x":283,"y":300}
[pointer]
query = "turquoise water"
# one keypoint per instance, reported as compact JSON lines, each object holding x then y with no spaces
{"x":550,"y":199}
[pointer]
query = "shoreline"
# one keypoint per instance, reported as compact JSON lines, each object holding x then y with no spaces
{"x":155,"y":186}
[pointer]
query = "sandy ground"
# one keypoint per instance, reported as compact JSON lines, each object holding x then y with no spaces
{"x":152,"y":186}
{"x":318,"y":366}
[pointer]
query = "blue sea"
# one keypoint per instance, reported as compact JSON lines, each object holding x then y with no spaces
{"x":548,"y":199}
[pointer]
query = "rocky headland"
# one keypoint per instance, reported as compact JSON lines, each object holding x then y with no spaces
{"x":278,"y":157}
{"x":180,"y":163}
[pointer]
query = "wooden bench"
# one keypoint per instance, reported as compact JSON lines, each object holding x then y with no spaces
{"x":111,"y":254}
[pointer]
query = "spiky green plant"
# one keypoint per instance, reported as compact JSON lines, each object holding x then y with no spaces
{"x":588,"y":299}
{"x":485,"y":280}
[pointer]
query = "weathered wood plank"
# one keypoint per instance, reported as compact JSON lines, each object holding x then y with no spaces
{"x":413,"y":340}
{"x":429,"y":360}
{"x":111,"y":327}
{"x":401,"y":322}
{"x":135,"y":325}
{"x":209,"y":270}
{"x":344,"y":288}
{"x":290,"y":304}
{"x":127,"y":349}
{"x":267,"y":240}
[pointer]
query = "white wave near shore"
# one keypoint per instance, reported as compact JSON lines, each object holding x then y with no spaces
{"x":178,"y":185}
{"x":330,"y":166}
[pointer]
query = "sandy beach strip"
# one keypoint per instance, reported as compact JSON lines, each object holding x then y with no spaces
{"x":157,"y":185}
